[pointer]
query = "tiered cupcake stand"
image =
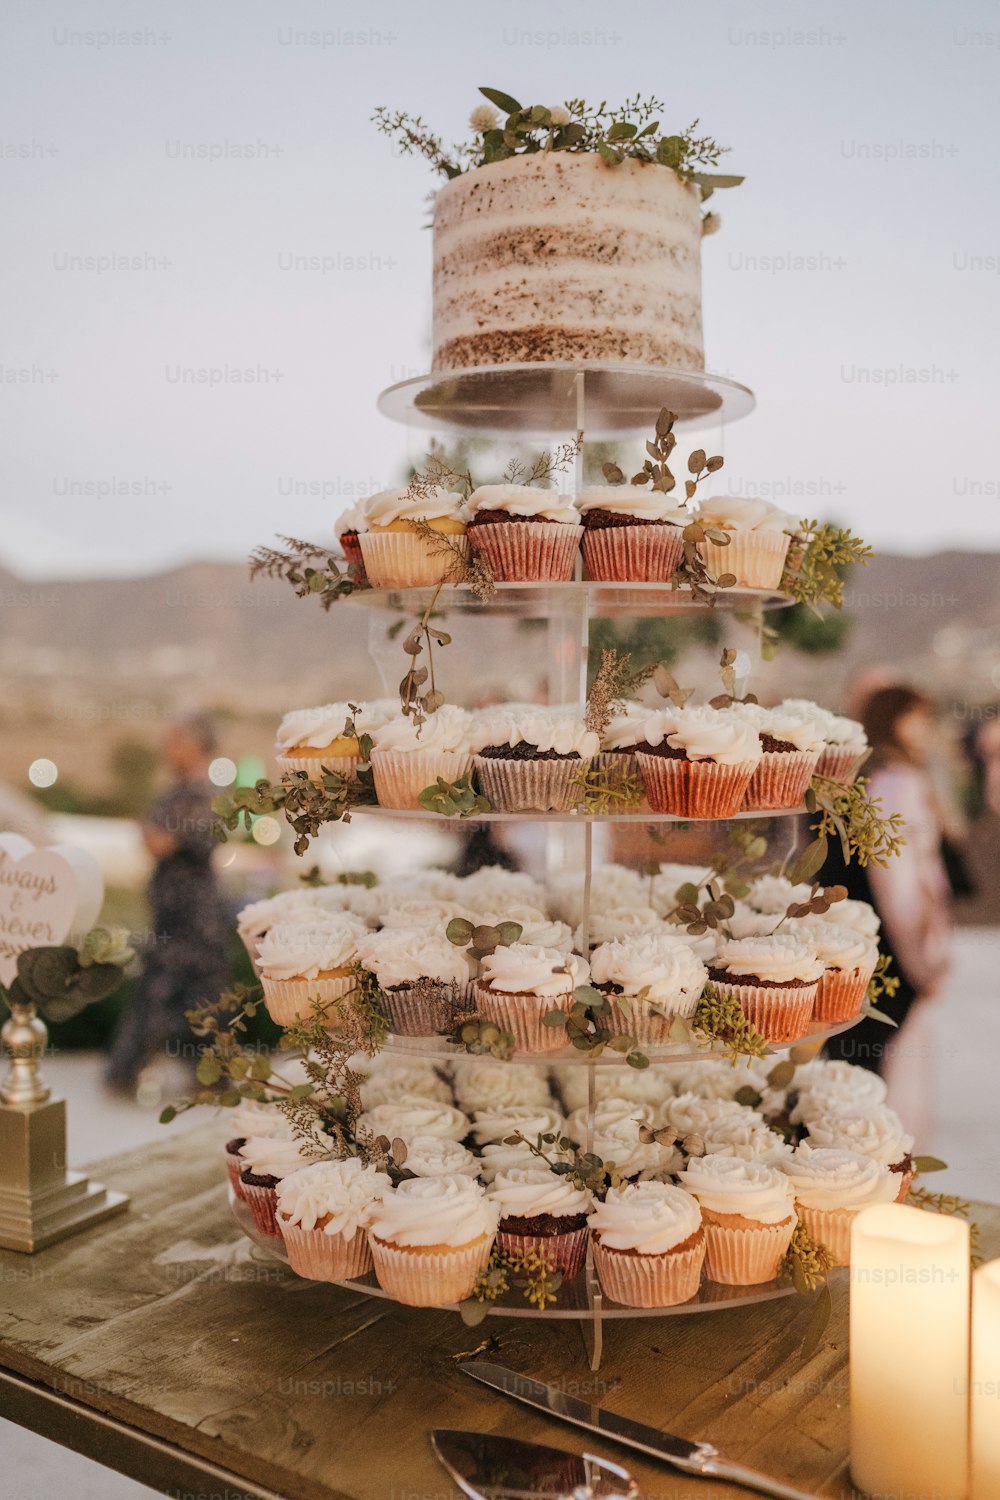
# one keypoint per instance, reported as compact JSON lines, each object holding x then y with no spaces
{"x":593,"y":401}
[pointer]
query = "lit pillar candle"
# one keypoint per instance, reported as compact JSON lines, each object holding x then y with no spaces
{"x":909,"y":1352}
{"x":985,"y":1384}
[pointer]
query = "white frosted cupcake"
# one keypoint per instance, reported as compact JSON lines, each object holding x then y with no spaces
{"x":321,"y":739}
{"x":748,"y":1214}
{"x":266,"y":1161}
{"x":618,"y":923}
{"x":323,"y":1212}
{"x":636,"y":1160}
{"x":526,"y":535}
{"x":533,"y":761}
{"x":519,"y":985}
{"x":858,"y":915}
{"x":832,"y":1185}
{"x":612,"y":886}
{"x":668,"y":880}
{"x":844,"y":741}
{"x":431,"y":1239}
{"x":759,"y":537}
{"x":248,"y":1119}
{"x":632,"y":533}
{"x":396,"y":554}
{"x":697,"y":762}
{"x":877,"y":1133}
{"x":537,"y":929}
{"x":423,"y":979}
{"x":307,"y":965}
{"x":649,"y":1245}
{"x":413,"y":1118}
{"x":439,"y":1156}
{"x":608,"y":1112}
{"x":824,"y":1087}
{"x":480,"y":1084}
{"x":774,"y":980}
{"x":493,"y":1126}
{"x":389,"y":1082}
{"x":693,"y":1114}
{"x":772,"y":895}
{"x":649,"y":979}
{"x":407,"y":757}
{"x":492,"y":887}
{"x":540,"y":1210}
{"x":791,"y":744}
{"x":346,"y":528}
{"x":849,"y":960}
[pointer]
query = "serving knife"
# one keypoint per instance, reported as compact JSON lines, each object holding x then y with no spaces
{"x":701,"y":1459}
{"x":487,"y":1466}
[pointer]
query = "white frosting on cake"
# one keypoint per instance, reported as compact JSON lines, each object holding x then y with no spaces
{"x":738,"y":513}
{"x":651,"y":1218}
{"x":731,"y":1185}
{"x":303,"y":950}
{"x":447,"y":729}
{"x":638,"y":500}
{"x":402,"y":955}
{"x":389,"y":506}
{"x":832,"y":1177}
{"x":315,"y":728}
{"x":522,"y":969}
{"x":778,"y":959}
{"x":435,"y":1211}
{"x":344,"y":1193}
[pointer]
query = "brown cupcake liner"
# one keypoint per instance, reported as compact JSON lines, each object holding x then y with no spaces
{"x":564,"y":1252}
{"x":291,"y":1000}
{"x":756,"y":557}
{"x":401,"y":775}
{"x":649,"y":1280}
{"x":350,"y":546}
{"x":694,"y":788}
{"x":842,"y":993}
{"x":528,"y":551}
{"x":838,"y":765}
{"x":406,"y":560}
{"x":262,"y":1203}
{"x":522,"y":1015}
{"x":315,"y":765}
{"x":830,"y":1227}
{"x":781,"y":779}
{"x":429,"y":1276}
{"x":632,"y":554}
{"x":531,"y":785}
{"x":234,"y":1166}
{"x":411,"y":1014}
{"x":738,"y":1256}
{"x":779,"y":1014}
{"x":325,"y":1257}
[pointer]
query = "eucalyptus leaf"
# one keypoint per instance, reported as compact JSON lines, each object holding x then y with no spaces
{"x":503,"y":101}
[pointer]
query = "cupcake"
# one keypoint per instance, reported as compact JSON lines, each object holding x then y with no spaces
{"x":668,"y":880}
{"x":608,"y":1112}
{"x":831,"y":1186}
{"x":834,"y":1087}
{"x":266,"y":1161}
{"x":323,"y":1212}
{"x":439,"y":1156}
{"x":775,"y":981}
{"x":617,"y":923}
{"x":748,"y":1215}
{"x":697,"y":762}
{"x":390,"y":1082}
{"x":611,"y":886}
{"x":537,"y":929}
{"x":844,"y":740}
{"x":411,"y":1119}
{"x":409,"y":757}
{"x":519,"y":985}
{"x":315,"y":740}
{"x":481,"y":1084}
{"x":423,"y":979}
{"x":648,"y":1244}
{"x":494,"y":1126}
{"x":349,"y":524}
{"x":858,"y":915}
{"x":750,"y":1139}
{"x":308,"y":964}
{"x":540,"y":1210}
{"x":850,"y":961}
{"x":256,"y":919}
{"x":533,"y":761}
{"x":619,"y":1145}
{"x":249,"y":1118}
{"x":649,"y":979}
{"x":759,"y":536}
{"x":526,"y":535}
{"x":431,"y":1239}
{"x":772,"y":895}
{"x":396,"y":554}
{"x":695,"y":1114}
{"x":877,"y":1133}
{"x":632,"y":534}
{"x":791,"y":747}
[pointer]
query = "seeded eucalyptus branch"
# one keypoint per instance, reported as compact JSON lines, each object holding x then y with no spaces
{"x":718,"y":1018}
{"x":814,"y":567}
{"x":297,"y":565}
{"x":529,"y":1270}
{"x":600,"y":791}
{"x":865,"y":832}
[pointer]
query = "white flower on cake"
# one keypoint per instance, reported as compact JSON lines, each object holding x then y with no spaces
{"x":448,"y":729}
{"x":522,"y":969}
{"x":450,"y":1210}
{"x":390,"y":506}
{"x":648,"y":1217}
{"x":484,"y":117}
{"x":730,"y":1185}
{"x":637,"y":500}
{"x":525,"y":500}
{"x":402,"y":955}
{"x":778,"y":959}
{"x":737,"y":513}
{"x":344,"y":1193}
{"x":558,"y":116}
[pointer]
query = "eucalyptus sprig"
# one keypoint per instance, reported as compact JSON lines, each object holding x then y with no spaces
{"x":807,"y":1263}
{"x":482,"y":1038}
{"x":583,"y":1170}
{"x":865,"y":832}
{"x":590,"y":1024}
{"x":308,"y":568}
{"x":60,"y":981}
{"x":307,"y":802}
{"x":656,"y":470}
{"x":815,"y":565}
{"x":454,"y":799}
{"x":482,"y":939}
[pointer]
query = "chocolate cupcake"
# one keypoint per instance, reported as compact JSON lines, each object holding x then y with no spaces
{"x":525,"y":535}
{"x":697,"y":762}
{"x":774,"y":980}
{"x":533,"y":761}
{"x":541,"y":1211}
{"x":632,"y":534}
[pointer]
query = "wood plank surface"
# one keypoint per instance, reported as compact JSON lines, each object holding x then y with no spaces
{"x":170,"y":1324}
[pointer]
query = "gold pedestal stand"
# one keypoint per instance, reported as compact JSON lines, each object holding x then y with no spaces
{"x":40,"y":1201}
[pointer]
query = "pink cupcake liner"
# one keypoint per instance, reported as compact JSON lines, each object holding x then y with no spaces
{"x":649,"y":1280}
{"x":315,"y":765}
{"x":565,"y":1252}
{"x":756,"y":557}
{"x":830,"y":1227}
{"x":406,"y":560}
{"x":325,"y":1257}
{"x":694,"y":788}
{"x":521,"y":1015}
{"x":234,"y":1166}
{"x":528,"y":551}
{"x":429,"y":1277}
{"x":632,"y":554}
{"x":781,"y":779}
{"x":291,"y":1000}
{"x":842,"y":993}
{"x":779,"y":1014}
{"x":838,"y":765}
{"x":262,"y":1203}
{"x":532,"y":785}
{"x":410,"y":1014}
{"x":401,"y":775}
{"x":350,"y":546}
{"x":738,"y":1256}
{"x":648,"y":1027}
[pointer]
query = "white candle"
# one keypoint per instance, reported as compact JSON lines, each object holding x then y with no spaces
{"x":985,"y":1401}
{"x":909,"y":1353}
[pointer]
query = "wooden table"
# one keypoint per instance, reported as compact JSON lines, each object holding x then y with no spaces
{"x":168,"y":1347}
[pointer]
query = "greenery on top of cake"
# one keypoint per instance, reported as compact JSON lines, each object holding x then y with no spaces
{"x":504,"y":128}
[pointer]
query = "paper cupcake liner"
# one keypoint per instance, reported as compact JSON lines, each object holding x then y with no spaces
{"x":528,"y":551}
{"x":531,"y":785}
{"x":838,"y":765}
{"x":325,"y":1257}
{"x":756,"y":557}
{"x":234,"y":1166}
{"x":401,"y":775}
{"x":406,"y":560}
{"x":648,"y":1027}
{"x":632,"y":554}
{"x":739,"y":1256}
{"x":431,"y":1276}
{"x":521,"y":1015}
{"x":781,"y":779}
{"x":780,"y":1015}
{"x":830,"y":1227}
{"x":613,"y":765}
{"x":250,"y":944}
{"x":694,"y":788}
{"x":412,"y":1014}
{"x":842,"y":993}
{"x":315,"y":765}
{"x":290,"y":1000}
{"x":350,"y":546}
{"x":565,"y":1252}
{"x":262,"y":1203}
{"x":650,"y":1280}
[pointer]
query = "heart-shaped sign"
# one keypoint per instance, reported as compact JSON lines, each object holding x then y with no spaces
{"x":46,"y":896}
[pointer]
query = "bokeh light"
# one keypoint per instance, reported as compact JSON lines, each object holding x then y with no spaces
{"x":266,"y":831}
{"x":222,"y":771}
{"x":43,"y":772}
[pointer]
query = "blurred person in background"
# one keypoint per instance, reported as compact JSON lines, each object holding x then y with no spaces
{"x":186,"y":962}
{"x":912,"y":895}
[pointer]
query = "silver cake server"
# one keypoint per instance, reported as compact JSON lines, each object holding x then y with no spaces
{"x":487,"y":1466}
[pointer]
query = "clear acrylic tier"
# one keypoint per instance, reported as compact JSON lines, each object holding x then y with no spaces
{"x":577,"y":819}
{"x":548,"y":601}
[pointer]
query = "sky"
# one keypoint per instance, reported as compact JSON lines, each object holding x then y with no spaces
{"x":854,"y":285}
